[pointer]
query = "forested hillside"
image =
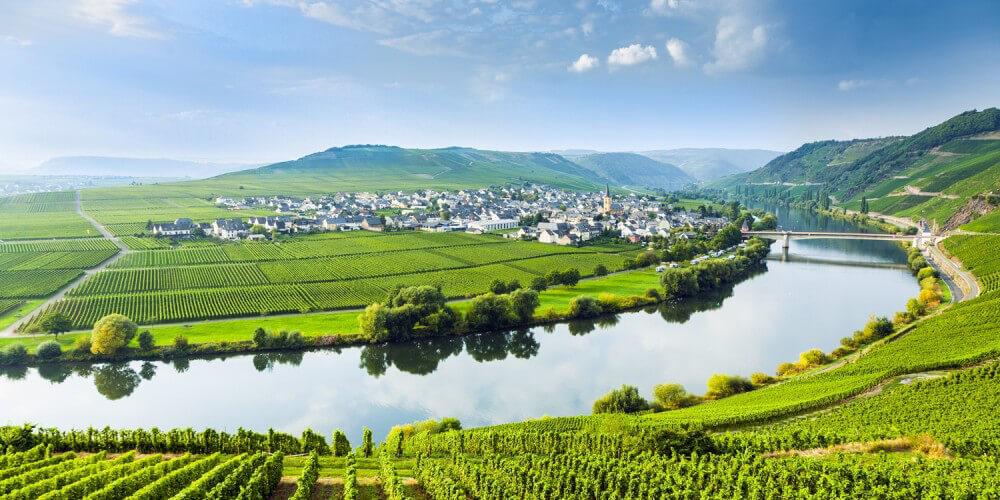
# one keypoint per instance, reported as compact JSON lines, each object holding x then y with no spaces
{"x":630,"y":169}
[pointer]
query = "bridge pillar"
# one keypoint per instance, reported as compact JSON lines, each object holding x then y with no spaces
{"x":784,"y":244}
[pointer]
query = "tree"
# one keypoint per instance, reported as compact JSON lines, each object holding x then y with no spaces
{"x":600,"y":270}
{"x":571,"y":276}
{"x":111,"y":333}
{"x":624,"y":400}
{"x":672,"y":396}
{"x":584,"y":306}
{"x":260,"y":338}
{"x":341,"y":446}
{"x":679,"y":282}
{"x":366,"y":443}
{"x":373,"y":322}
{"x":489,"y":311}
{"x":721,"y":386}
{"x":539,"y":284}
{"x":56,"y":323}
{"x":523,"y":304}
{"x":498,"y":287}
{"x":146,"y":341}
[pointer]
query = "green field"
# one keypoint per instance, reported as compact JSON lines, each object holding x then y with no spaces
{"x":302,"y":275}
{"x":42,"y":215}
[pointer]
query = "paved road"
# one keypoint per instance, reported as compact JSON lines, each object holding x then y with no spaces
{"x":10,"y":330}
{"x":952,"y":269}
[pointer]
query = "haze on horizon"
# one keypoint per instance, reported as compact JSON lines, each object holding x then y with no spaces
{"x":256,"y":81}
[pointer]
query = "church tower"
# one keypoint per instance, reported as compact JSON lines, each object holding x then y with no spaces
{"x":607,"y":198}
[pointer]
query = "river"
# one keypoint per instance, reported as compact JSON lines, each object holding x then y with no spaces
{"x":821,"y":291}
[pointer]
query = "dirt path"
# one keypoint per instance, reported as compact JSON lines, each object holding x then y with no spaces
{"x":122,"y":250}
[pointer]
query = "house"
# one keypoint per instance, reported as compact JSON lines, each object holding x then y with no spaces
{"x":493,"y":224}
{"x":230,"y":229}
{"x":179,"y":227}
{"x":333,"y":223}
{"x":371,"y":223}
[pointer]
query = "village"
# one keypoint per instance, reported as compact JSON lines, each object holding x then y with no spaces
{"x":537,"y":213}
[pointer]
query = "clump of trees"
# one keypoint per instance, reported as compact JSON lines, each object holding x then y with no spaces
{"x":568,"y":277}
{"x":492,"y":311}
{"x":406,"y":312}
{"x":722,"y":386}
{"x":712,"y":273}
{"x":624,"y":400}
{"x":13,"y":354}
{"x":262,"y":339}
{"x":673,"y":396}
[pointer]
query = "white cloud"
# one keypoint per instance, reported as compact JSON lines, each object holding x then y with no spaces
{"x":587,"y":27}
{"x":112,"y":13}
{"x":678,"y":51}
{"x":848,"y":85}
{"x":663,"y":6}
{"x":585,"y":63}
{"x":430,"y":43}
{"x":13,"y":40}
{"x":738,"y":45}
{"x":631,"y":55}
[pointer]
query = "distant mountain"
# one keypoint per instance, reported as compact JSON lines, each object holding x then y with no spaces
{"x":132,"y":167}
{"x":378,"y":167}
{"x":707,"y":164}
{"x":631,"y":169}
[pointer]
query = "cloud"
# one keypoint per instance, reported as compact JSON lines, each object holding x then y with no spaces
{"x":490,"y":85}
{"x":678,"y":51}
{"x":587,"y":27}
{"x":848,"y":85}
{"x":112,"y":13}
{"x":663,"y":6}
{"x":738,"y":45}
{"x":430,"y":43}
{"x":13,"y":40}
{"x":631,"y":55}
{"x":584,"y":63}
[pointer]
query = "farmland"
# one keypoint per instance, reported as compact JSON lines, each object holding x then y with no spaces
{"x":42,"y":215}
{"x":309,"y":274}
{"x":32,"y":269}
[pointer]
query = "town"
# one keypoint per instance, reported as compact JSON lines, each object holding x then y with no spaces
{"x":536,"y":212}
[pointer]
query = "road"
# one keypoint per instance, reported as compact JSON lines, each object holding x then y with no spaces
{"x":971,"y":290}
{"x":122,"y":250}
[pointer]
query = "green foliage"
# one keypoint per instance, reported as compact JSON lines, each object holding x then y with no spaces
{"x":306,"y":483}
{"x":111,"y":333}
{"x":55,"y":323}
{"x":341,"y":446}
{"x":624,"y":400}
{"x":49,"y":350}
{"x":13,"y":354}
{"x":146,"y":341}
{"x":584,"y":306}
{"x":672,"y":396}
{"x":722,"y":386}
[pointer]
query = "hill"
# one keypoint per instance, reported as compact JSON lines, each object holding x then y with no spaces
{"x":631,"y":169}
{"x":376,"y":167}
{"x":708,"y":164}
{"x":945,"y":173}
{"x":132,"y":167}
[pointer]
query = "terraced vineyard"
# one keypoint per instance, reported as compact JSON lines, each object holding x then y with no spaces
{"x":981,"y":255}
{"x":308,"y":274}
{"x":39,"y":268}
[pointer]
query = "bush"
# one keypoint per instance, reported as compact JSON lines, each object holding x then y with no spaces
{"x":926,"y":272}
{"x":877,"y":328}
{"x":584,"y":306}
{"x":840,"y":352}
{"x":679,"y":441}
{"x":146,"y":341}
{"x":14,"y":354}
{"x":759,"y":379}
{"x":523,"y":304}
{"x":903,"y":318}
{"x":600,"y":270}
{"x":810,"y":358}
{"x":722,"y":386}
{"x":181,"y":343}
{"x":928,"y":296}
{"x":489,"y":311}
{"x":49,"y":350}
{"x":539,"y":284}
{"x":295,"y":339}
{"x":915,"y":307}
{"x":111,"y":333}
{"x":82,"y":345}
{"x":498,"y":287}
{"x":653,"y":293}
{"x":785,"y":368}
{"x":260,"y":337}
{"x":624,"y":400}
{"x":672,"y":396}
{"x":341,"y":446}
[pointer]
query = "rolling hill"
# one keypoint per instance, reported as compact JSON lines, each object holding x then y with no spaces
{"x":631,"y":169}
{"x":945,"y":173}
{"x":376,"y":167}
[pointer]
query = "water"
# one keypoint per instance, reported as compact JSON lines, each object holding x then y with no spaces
{"x":769,"y":318}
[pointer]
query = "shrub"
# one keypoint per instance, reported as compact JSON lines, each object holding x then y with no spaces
{"x":902,"y":318}
{"x":489,"y":311}
{"x":810,"y":358}
{"x":722,"y":386}
{"x":653,"y":293}
{"x":498,"y":287}
{"x":600,"y":270}
{"x":915,"y":307}
{"x":877,"y":328}
{"x":341,"y":446}
{"x":672,"y":396}
{"x":146,"y":341}
{"x":14,"y":354}
{"x":539,"y":284}
{"x":785,"y":368}
{"x":624,"y":400}
{"x":926,"y":272}
{"x":82,"y":345}
{"x":584,"y":306}
{"x":260,"y":337}
{"x":761,"y":379}
{"x":841,"y":352}
{"x":680,"y":441}
{"x":928,"y":296}
{"x":181,"y":343}
{"x":523,"y":304}
{"x":111,"y":333}
{"x":49,"y":350}
{"x":295,"y":339}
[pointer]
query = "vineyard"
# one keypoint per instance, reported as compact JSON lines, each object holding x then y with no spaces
{"x":39,"y":268}
{"x":315,"y":273}
{"x":981,"y":255}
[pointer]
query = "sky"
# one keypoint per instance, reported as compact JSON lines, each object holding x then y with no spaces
{"x":258,"y":81}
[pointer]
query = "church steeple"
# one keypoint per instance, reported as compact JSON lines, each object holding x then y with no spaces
{"x":607,"y":190}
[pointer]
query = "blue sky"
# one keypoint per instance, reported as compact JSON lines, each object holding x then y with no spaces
{"x":268,"y":80}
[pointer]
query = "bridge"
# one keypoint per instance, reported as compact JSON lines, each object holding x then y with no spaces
{"x":787,"y":236}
